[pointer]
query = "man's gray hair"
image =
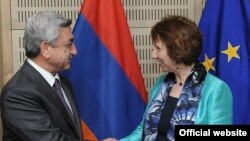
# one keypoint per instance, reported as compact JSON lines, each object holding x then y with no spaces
{"x":43,"y":26}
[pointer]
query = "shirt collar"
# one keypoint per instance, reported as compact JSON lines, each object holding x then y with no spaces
{"x":46,"y":75}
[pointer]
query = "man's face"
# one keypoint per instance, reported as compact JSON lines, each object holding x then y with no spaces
{"x":63,"y":51}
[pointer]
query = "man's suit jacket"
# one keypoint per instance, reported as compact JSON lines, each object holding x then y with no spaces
{"x":31,"y":110}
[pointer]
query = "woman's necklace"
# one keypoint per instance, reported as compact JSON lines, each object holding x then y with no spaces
{"x":180,"y":83}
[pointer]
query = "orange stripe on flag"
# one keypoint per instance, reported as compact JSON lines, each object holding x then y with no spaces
{"x":87,"y":133}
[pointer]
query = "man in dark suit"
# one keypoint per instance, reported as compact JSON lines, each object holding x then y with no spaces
{"x":37,"y":104}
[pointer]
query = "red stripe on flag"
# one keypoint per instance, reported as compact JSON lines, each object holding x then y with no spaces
{"x":107,"y":16}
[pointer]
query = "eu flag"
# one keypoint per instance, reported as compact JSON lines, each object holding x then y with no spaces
{"x":105,"y":73}
{"x":226,"y":28}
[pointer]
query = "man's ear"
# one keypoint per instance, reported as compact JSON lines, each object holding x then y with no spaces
{"x":44,"y":47}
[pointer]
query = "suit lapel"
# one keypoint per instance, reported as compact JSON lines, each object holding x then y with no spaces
{"x":45,"y":89}
{"x":73,"y":106}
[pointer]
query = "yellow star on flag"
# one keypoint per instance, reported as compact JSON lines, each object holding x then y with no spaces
{"x":231,"y":52}
{"x":208,"y":63}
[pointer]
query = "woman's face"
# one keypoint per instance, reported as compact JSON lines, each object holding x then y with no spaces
{"x":160,"y":53}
